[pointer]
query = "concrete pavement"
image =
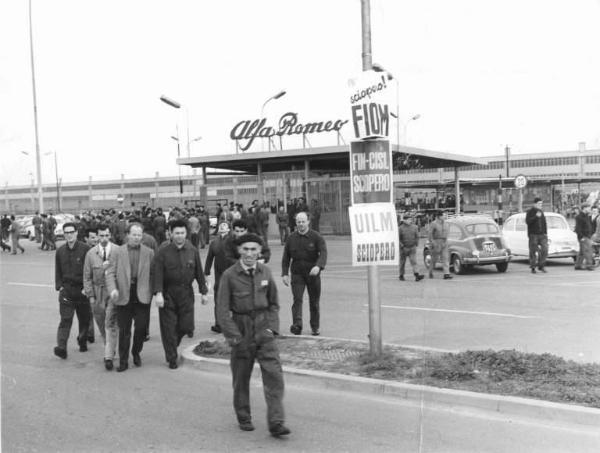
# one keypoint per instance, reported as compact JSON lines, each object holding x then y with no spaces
{"x":53,"y":405}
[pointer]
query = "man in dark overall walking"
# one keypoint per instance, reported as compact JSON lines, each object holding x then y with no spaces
{"x":307,"y":252}
{"x":248,"y":313}
{"x":175,"y":266}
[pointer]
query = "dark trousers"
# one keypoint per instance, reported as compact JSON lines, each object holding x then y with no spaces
{"x":216,"y":291}
{"x":176,"y":319}
{"x":313,"y":287}
{"x":133,"y":311}
{"x":411,"y":254}
{"x":284,"y":232}
{"x":68,"y":308}
{"x":538,"y":250}
{"x":195,"y":239}
{"x":242,"y":362}
{"x":585,"y":253}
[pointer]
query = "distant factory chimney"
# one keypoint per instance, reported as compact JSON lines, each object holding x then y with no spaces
{"x":581,"y":147}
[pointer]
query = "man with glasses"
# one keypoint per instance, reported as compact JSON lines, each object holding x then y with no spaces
{"x":96,"y":263}
{"x":69,"y":261}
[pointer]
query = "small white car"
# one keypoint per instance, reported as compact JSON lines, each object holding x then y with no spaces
{"x":562,"y":241}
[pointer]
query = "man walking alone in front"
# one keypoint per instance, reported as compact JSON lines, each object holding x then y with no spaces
{"x":248,"y":313}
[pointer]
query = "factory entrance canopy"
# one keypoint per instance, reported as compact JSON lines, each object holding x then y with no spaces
{"x":329,"y":159}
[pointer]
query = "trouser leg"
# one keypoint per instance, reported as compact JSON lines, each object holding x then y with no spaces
{"x":445,"y":258}
{"x":67,"y":311}
{"x":99,"y":312}
{"x":533,"y":250}
{"x":585,"y":251}
{"x":84,"y":316}
{"x":282,"y":235}
{"x":298,"y":284}
{"x":402,"y":261}
{"x":272,"y":378}
{"x":141,"y":316}
{"x":167,"y":317}
{"x":313,"y":286}
{"x":412,"y":256}
{"x":91,"y":331}
{"x":242,"y":361}
{"x":112,"y":331}
{"x":543,"y":241}
{"x":185,"y":318}
{"x":124,"y":319}
{"x":216,"y":291}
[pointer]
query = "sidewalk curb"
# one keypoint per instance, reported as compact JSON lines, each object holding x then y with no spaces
{"x":507,"y":405}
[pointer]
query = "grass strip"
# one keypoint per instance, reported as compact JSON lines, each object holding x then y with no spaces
{"x":507,"y":372}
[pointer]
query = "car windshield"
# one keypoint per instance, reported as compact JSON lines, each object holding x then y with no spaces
{"x":482,"y":228}
{"x":556,"y":223}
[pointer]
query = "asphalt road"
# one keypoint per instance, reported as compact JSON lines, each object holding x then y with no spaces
{"x":557,"y":312}
{"x":53,"y":405}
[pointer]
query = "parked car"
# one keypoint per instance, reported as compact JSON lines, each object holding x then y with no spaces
{"x":562,"y":241}
{"x":473,"y":240}
{"x":26,"y":226}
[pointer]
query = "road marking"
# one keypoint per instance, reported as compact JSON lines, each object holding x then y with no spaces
{"x":41,"y":285}
{"x":484,"y":313}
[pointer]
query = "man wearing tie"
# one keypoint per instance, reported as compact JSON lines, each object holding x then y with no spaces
{"x":128,"y":283}
{"x":94,"y":285}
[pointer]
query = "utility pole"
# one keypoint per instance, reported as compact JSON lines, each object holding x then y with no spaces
{"x":375,"y":342}
{"x":38,"y":158}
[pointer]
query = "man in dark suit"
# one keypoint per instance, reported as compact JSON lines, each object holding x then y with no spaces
{"x":129,"y":285}
{"x":537,"y":232}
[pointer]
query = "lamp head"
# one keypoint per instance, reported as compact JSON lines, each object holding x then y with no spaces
{"x":170,"y":102}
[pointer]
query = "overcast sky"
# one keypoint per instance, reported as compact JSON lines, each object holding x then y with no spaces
{"x":482,"y":75}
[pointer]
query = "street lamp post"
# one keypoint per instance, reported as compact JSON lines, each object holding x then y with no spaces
{"x":38,"y":158}
{"x":262,"y":110}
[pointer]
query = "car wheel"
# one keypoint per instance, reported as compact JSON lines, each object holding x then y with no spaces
{"x":457,"y":265}
{"x":501,"y":267}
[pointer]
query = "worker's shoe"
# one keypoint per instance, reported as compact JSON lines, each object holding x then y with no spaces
{"x":419,"y":277}
{"x":216,"y":328}
{"x":279,"y":430}
{"x":315,"y":332}
{"x":296,"y":330}
{"x":60,"y":352}
{"x":401,"y":278}
{"x":447,"y":277}
{"x":430,"y":274}
{"x":173,"y":364}
{"x":246,"y":425}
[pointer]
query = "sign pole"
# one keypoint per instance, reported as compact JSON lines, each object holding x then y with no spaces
{"x":375,"y":343}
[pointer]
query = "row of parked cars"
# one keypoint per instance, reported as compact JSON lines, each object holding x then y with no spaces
{"x":476,"y":240}
{"x":28,"y":230}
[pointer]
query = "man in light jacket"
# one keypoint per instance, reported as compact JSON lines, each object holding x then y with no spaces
{"x":94,"y":285}
{"x":128,"y":282}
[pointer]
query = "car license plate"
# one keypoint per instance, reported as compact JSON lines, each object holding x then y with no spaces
{"x":489,"y":247}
